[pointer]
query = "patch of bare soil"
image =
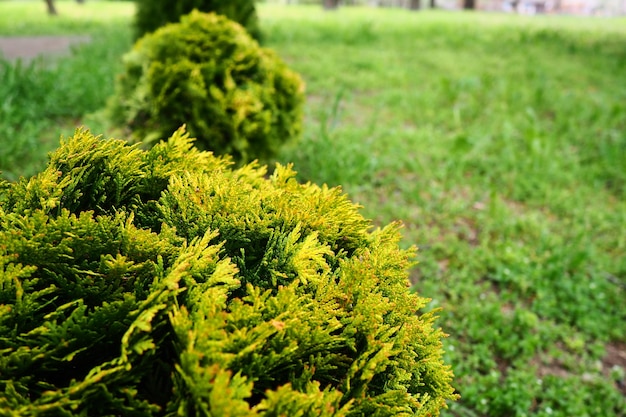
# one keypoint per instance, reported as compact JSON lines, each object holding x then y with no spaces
{"x":30,"y":47}
{"x":615,"y":358}
{"x":613,"y":366}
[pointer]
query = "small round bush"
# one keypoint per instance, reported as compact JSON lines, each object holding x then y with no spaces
{"x":152,"y":14}
{"x":165,"y":283}
{"x":206,"y":72}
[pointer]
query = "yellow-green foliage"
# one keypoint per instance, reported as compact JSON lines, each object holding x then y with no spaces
{"x":163,"y":282}
{"x":206,"y":72}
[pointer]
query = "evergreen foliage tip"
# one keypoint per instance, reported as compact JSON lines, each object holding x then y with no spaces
{"x":153,"y":14}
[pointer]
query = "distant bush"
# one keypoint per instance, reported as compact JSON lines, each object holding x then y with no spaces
{"x":152,"y":14}
{"x":235,"y":97}
{"x":161,"y":282}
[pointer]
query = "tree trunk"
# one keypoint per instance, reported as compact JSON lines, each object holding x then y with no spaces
{"x":51,"y":9}
{"x":331,"y":4}
{"x":433,"y":4}
{"x":80,"y":1}
{"x":469,"y":4}
{"x":414,"y":4}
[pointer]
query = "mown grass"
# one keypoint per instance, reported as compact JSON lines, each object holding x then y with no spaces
{"x":499,"y":141}
{"x":29,"y":18}
{"x":44,"y":98}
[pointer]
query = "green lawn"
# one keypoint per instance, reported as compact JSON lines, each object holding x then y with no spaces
{"x":499,"y":141}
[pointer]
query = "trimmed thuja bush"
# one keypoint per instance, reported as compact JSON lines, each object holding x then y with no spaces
{"x":234,"y":96}
{"x":152,"y":14}
{"x":164,"y":283}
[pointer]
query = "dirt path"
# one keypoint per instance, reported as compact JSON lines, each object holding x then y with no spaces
{"x":27,"y":48}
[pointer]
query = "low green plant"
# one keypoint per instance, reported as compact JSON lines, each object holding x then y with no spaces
{"x":152,"y":14}
{"x":206,"y":72}
{"x":163,"y":282}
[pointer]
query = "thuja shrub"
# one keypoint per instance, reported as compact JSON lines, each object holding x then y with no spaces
{"x":165,"y":283}
{"x":152,"y":14}
{"x":234,"y":96}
